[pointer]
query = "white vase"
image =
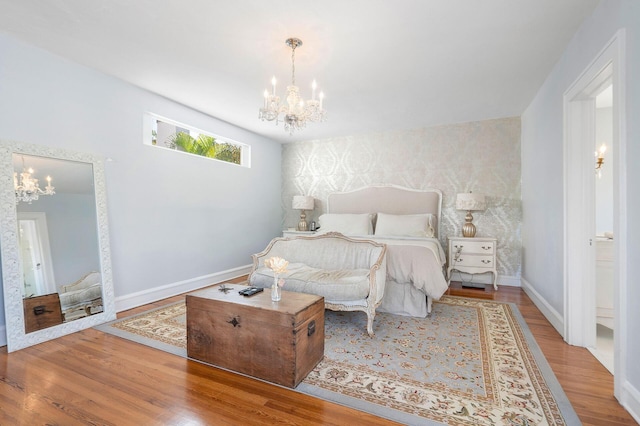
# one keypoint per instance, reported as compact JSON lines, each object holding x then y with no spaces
{"x":276,"y":295}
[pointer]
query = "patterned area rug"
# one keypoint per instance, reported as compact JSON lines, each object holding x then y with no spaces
{"x":471,"y":362}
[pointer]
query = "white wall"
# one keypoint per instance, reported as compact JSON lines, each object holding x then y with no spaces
{"x":542,"y":162}
{"x":172,"y":217}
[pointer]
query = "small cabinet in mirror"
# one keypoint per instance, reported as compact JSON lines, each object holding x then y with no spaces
{"x":55,"y":251}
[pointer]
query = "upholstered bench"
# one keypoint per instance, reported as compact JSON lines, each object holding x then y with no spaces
{"x":82,"y":298}
{"x":350,"y":274}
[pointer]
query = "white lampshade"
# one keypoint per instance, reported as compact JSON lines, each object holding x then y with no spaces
{"x":302,"y":202}
{"x":470,"y":201}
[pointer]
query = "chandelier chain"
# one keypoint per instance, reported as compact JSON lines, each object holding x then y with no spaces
{"x":293,"y":65}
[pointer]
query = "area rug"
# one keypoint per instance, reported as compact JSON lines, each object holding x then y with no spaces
{"x":471,"y":362}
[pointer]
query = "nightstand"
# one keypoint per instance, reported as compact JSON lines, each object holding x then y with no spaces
{"x":472,"y":256}
{"x":291,"y":234}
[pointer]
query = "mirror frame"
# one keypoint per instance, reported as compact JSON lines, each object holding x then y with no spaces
{"x":12,"y":282}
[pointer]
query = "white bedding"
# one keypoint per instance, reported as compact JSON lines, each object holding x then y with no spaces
{"x":416,"y":265}
{"x":414,"y":270}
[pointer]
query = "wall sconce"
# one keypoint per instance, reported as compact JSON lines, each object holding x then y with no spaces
{"x":470,"y":202}
{"x":600,"y":159}
{"x":302,"y":203}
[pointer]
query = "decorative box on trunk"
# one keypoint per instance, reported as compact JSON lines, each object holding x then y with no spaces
{"x":280,"y":342}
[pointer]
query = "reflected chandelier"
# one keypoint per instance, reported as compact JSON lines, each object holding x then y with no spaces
{"x":27,"y":187}
{"x":297,"y":111}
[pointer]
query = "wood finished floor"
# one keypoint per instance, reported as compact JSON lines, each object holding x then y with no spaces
{"x":99,"y":379}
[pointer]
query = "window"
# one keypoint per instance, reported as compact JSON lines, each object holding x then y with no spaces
{"x":169,"y":134}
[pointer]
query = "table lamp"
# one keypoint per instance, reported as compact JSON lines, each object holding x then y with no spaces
{"x":302,"y":203}
{"x":470,"y":202}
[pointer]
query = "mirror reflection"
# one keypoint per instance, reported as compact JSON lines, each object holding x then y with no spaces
{"x":58,"y":240}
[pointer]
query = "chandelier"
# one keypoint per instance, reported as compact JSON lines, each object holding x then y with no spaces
{"x":296,"y":112}
{"x":27,"y":187}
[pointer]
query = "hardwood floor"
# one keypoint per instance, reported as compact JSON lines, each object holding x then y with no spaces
{"x":99,"y":379}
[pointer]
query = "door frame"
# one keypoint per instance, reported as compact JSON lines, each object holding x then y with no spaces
{"x":40,"y":219}
{"x":579,"y":203}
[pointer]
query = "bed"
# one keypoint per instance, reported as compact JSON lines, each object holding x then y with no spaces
{"x":415,"y":260}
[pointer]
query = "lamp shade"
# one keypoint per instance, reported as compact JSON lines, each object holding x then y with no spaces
{"x":302,"y":202}
{"x":470,"y":201}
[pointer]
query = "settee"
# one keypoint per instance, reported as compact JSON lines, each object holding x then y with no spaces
{"x":350,"y":274}
{"x":82,"y":298}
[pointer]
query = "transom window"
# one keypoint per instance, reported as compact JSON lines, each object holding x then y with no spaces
{"x":166,"y":133}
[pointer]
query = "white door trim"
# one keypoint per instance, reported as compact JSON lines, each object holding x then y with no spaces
{"x":579,"y":207}
{"x":40,"y":219}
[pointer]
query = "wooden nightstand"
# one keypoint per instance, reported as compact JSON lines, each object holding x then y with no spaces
{"x":291,"y":234}
{"x":472,"y":256}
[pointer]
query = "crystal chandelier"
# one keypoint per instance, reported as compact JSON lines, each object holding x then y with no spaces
{"x":296,"y":112}
{"x":27,"y":187}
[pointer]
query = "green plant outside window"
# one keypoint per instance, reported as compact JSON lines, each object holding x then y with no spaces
{"x":205,"y":146}
{"x":167,"y":133}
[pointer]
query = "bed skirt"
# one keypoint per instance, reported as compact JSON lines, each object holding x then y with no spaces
{"x":403,"y":299}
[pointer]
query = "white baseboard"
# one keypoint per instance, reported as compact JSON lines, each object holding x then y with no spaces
{"x":631,"y":400}
{"x":3,"y":335}
{"x":556,"y":320}
{"x":140,"y":298}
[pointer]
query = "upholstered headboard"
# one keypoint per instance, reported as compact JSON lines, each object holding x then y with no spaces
{"x":388,"y":199}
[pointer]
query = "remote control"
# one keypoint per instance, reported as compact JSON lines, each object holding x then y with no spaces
{"x":250,"y":291}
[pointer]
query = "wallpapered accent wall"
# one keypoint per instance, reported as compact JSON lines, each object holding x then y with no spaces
{"x":482,"y":157}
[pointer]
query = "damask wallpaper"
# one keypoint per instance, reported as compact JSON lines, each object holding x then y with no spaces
{"x":483,"y":157}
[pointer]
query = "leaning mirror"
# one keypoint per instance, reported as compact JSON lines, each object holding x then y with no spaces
{"x":56,"y":264}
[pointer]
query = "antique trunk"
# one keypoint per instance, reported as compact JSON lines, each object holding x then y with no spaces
{"x":280,"y":342}
{"x":41,"y":312}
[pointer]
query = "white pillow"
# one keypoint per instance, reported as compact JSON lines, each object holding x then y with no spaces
{"x":406,"y":225}
{"x":346,"y":223}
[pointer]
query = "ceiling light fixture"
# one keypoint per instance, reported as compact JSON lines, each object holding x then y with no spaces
{"x":296,"y":112}
{"x":27,"y":187}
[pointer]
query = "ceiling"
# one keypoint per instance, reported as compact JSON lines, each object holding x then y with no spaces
{"x":382,"y":64}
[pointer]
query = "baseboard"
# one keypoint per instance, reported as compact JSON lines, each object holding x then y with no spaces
{"x":3,"y":335}
{"x":140,"y":298}
{"x":631,"y":400}
{"x":556,"y":320}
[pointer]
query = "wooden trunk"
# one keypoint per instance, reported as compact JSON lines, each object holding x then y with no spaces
{"x":280,"y":342}
{"x":41,"y":312}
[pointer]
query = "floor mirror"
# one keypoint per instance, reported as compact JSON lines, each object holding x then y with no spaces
{"x":54,"y":243}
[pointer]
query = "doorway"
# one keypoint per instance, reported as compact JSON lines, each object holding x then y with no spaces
{"x":603,"y":349}
{"x":580,"y":299}
{"x":35,"y":254}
